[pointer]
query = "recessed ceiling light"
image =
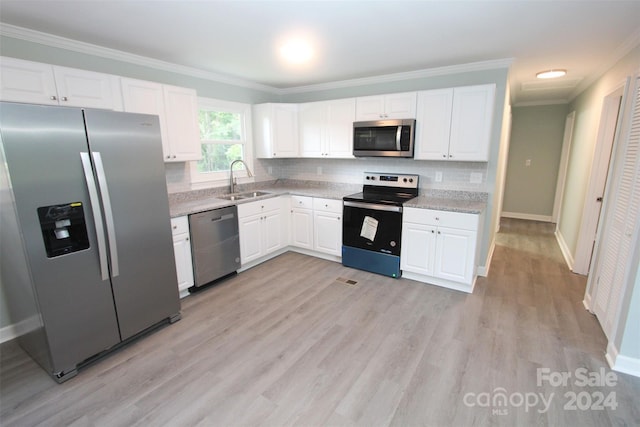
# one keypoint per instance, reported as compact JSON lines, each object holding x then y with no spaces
{"x":551,"y":74}
{"x":296,"y":51}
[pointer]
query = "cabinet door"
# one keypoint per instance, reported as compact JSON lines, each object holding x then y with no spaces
{"x":144,"y":97}
{"x":183,"y":134}
{"x":272,"y":231}
{"x":26,"y":81}
{"x":250,"y":229}
{"x":455,"y":254}
{"x":80,"y":88}
{"x":370,"y":108}
{"x":400,"y":106}
{"x":418,"y":248}
{"x":328,"y":233}
{"x":285,"y":130}
{"x":433,"y":124}
{"x":302,"y":228}
{"x":471,"y":119}
{"x":340,"y":117}
{"x":312,"y":119}
{"x":184,"y":267}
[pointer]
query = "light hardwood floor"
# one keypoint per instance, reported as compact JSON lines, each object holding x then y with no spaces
{"x":290,"y":343}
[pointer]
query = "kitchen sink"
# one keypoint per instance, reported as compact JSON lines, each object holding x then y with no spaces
{"x":243,"y":196}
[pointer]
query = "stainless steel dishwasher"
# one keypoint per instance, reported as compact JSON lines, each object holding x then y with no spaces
{"x":215,"y":244}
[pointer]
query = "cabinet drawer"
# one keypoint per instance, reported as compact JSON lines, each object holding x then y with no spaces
{"x":258,"y":207}
{"x":459,"y":220}
{"x":302,"y":202}
{"x":179,"y":225}
{"x":327,"y":205}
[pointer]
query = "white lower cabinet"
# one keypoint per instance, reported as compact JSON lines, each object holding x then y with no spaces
{"x":302,"y":222}
{"x":182,"y":251}
{"x":262,"y":228}
{"x":440,"y":247}
{"x":327,"y":226}
{"x":316,"y":226}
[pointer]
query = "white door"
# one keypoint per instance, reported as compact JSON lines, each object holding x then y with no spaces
{"x":433,"y":124}
{"x":328,"y":233}
{"x":302,"y":228}
{"x":471,"y":120}
{"x":183,"y":134}
{"x":418,"y":248}
{"x":597,"y":182}
{"x":80,"y":88}
{"x":250,"y":229}
{"x":312,"y":121}
{"x":285,"y":130}
{"x":272,"y":231}
{"x":455,"y":254}
{"x":341,"y":114}
{"x":26,"y":81}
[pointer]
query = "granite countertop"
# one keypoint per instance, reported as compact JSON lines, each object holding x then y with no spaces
{"x":190,"y":202}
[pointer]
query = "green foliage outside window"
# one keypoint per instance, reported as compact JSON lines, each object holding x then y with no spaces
{"x":217,"y":127}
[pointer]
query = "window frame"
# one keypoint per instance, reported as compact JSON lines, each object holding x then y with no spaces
{"x":211,"y":104}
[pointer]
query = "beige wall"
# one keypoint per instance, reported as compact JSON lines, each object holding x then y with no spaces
{"x":536,"y":135}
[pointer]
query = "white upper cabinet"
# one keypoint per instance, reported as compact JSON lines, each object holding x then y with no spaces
{"x":455,"y":124}
{"x":37,"y":83}
{"x":177,"y":109}
{"x":326,"y":128}
{"x":275,"y":130}
{"x":391,"y":106}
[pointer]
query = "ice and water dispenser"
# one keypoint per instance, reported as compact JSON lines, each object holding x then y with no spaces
{"x":63,"y":229}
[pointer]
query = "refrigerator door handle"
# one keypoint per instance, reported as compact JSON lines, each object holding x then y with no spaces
{"x":97,"y":217}
{"x":108,"y":213}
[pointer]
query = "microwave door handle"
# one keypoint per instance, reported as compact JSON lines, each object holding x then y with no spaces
{"x":398,"y":137}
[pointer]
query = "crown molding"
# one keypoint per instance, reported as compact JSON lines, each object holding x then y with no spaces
{"x":541,"y":103}
{"x":409,"y":75}
{"x":51,"y":40}
{"x":627,"y":46}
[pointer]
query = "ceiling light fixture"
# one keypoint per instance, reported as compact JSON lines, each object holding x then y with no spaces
{"x":296,"y":51}
{"x":551,"y":74}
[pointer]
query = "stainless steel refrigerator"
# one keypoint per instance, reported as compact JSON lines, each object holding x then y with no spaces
{"x":86,"y":250}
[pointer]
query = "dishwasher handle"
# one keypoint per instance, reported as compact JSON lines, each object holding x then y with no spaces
{"x":223,"y":217}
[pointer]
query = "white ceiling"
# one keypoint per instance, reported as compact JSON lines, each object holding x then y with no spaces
{"x":354,"y":39}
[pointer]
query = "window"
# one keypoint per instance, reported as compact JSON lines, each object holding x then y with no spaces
{"x":225,"y":136}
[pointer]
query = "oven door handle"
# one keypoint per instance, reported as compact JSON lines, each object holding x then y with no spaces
{"x":373,"y":206}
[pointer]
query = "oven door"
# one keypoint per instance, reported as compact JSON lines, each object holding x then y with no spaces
{"x":372,"y":227}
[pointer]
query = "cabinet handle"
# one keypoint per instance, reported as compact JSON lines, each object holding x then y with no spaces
{"x":64,"y":98}
{"x":174,"y":156}
{"x":53,"y":97}
{"x":187,"y":239}
{"x":168,"y":157}
{"x":437,"y":218}
{"x":439,"y":232}
{"x":451,"y":156}
{"x":433,"y":231}
{"x":175,"y":226}
{"x":444,"y":155}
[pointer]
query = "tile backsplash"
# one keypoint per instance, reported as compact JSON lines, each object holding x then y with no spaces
{"x":464,"y":176}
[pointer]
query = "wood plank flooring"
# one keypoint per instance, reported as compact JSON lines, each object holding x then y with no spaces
{"x":288,"y":343}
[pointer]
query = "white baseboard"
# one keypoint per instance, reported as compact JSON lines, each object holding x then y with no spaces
{"x":566,"y":253}
{"x":483,"y":270}
{"x":530,"y":217}
{"x":622,"y":363}
{"x":7,"y":333}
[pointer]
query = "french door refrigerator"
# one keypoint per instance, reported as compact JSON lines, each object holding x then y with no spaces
{"x":86,"y":247}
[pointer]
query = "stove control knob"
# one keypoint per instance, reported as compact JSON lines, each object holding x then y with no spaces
{"x":410,"y":179}
{"x":404,"y":179}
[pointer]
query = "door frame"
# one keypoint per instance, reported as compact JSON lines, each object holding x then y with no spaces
{"x":563,"y":167}
{"x":608,"y":129}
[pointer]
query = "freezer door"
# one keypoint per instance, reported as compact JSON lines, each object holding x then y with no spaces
{"x":127,"y":152}
{"x":42,"y":146}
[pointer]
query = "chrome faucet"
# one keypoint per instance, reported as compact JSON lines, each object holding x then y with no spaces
{"x":231,"y":181}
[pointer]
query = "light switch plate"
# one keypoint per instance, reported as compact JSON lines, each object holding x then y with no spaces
{"x":438,"y":177}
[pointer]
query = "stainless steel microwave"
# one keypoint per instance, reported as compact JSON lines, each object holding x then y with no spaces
{"x":384,"y":138}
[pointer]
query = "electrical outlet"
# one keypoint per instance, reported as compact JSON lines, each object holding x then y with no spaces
{"x":527,"y":162}
{"x":438,"y":177}
{"x":270,"y":170}
{"x":476,"y":178}
{"x":319,"y":170}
